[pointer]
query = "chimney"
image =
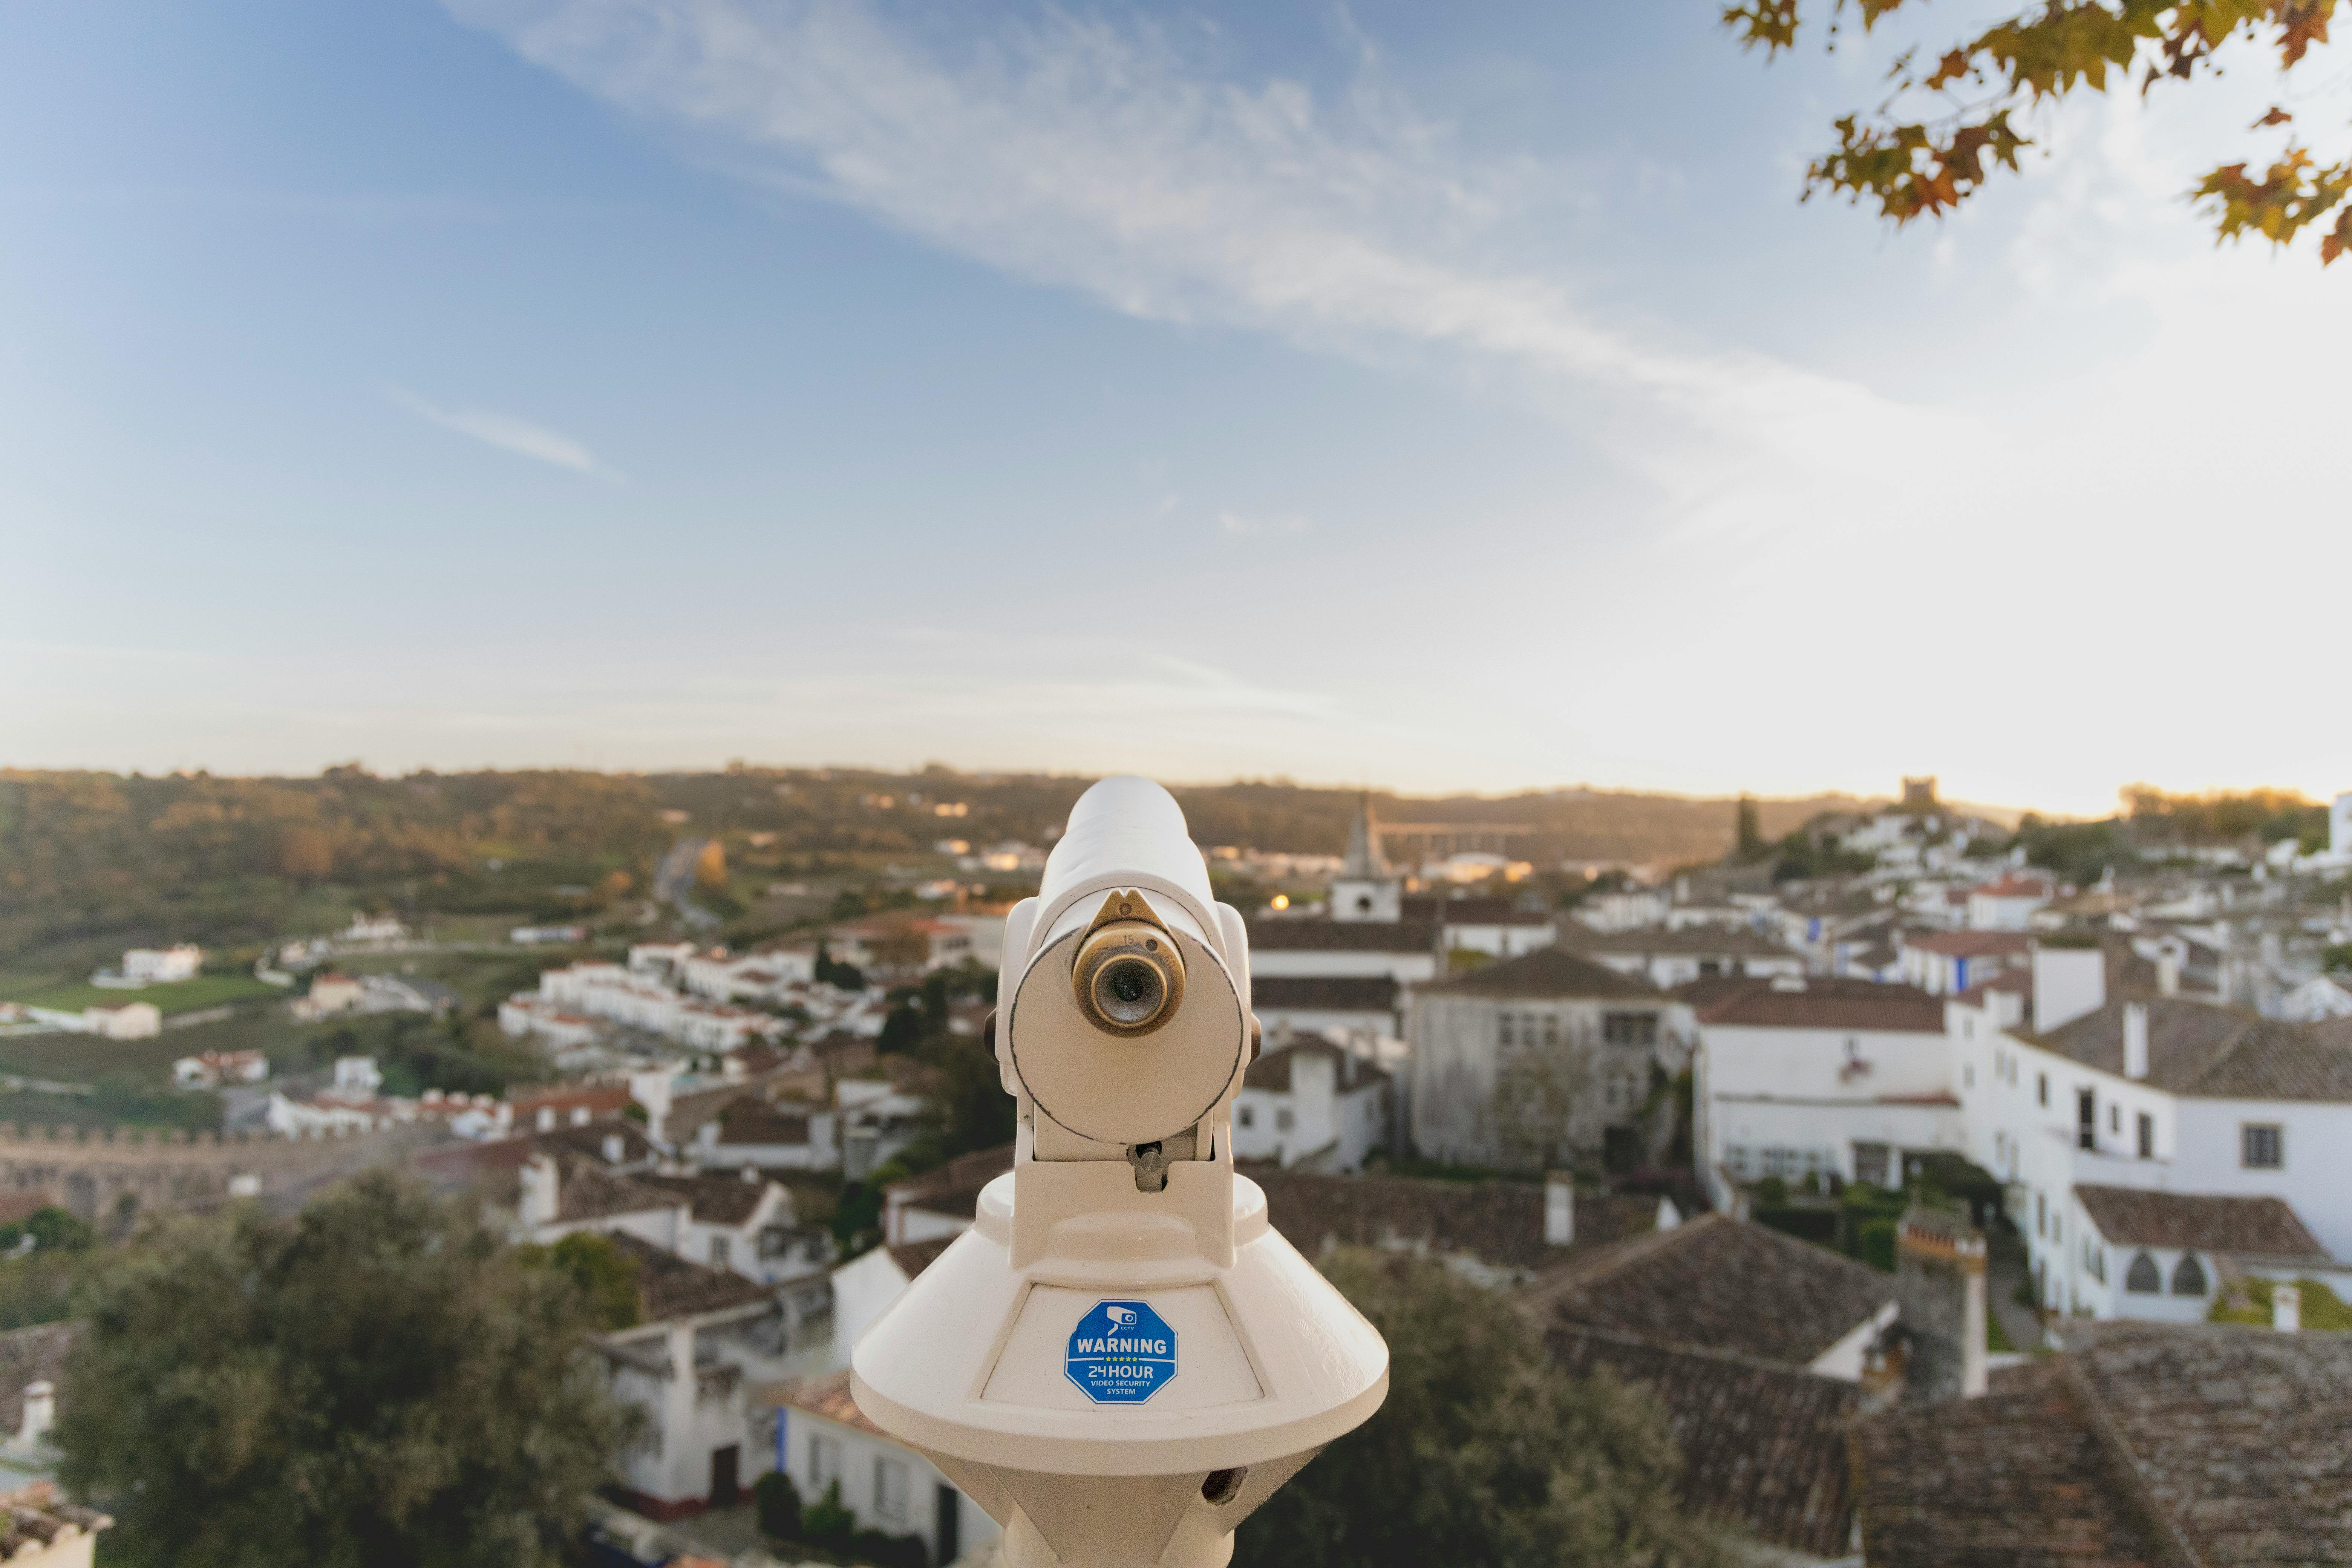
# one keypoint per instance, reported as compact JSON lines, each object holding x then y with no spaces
{"x":2068,"y":982}
{"x":615,"y":1147}
{"x":2167,"y":974}
{"x":1939,"y":1284}
{"x":2136,"y":1040}
{"x":541,"y":1185}
{"x":2286,"y":1315}
{"x":1560,"y":1209}
{"x":41,"y":1411}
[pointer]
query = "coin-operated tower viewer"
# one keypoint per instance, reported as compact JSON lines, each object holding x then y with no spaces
{"x":1121,"y":1359}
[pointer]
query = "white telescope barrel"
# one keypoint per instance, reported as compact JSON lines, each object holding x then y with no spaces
{"x":1130,"y":828}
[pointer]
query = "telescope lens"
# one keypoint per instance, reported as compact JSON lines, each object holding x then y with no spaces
{"x":1129,"y":990}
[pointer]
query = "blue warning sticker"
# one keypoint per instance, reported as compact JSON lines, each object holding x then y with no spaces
{"x":1121,"y":1353}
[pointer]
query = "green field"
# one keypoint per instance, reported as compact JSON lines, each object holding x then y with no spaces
{"x":183,"y":997}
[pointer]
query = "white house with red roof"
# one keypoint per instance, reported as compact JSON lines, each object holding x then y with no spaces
{"x":2009,"y":902}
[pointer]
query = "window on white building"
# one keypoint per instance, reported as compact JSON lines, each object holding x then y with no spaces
{"x":1630,"y":1028}
{"x":2144,"y":1277}
{"x":1503,"y":1022}
{"x":1284,"y":1120}
{"x":2189,"y":1276}
{"x":2262,"y":1146}
{"x":2042,"y":1089}
{"x":720,"y":1249}
{"x":824,"y":1461}
{"x":1551,"y":1030}
{"x":1246,"y":1115}
{"x":1968,"y":1076}
{"x":890,"y":1490}
{"x":2146,"y":1136}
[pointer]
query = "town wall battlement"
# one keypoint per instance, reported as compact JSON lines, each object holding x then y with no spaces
{"x":91,"y":1171}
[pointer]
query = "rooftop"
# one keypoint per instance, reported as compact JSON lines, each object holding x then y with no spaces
{"x":1547,"y":973}
{"x":672,"y":1287}
{"x":1720,"y":1284}
{"x":1337,"y":994}
{"x":1704,"y":941}
{"x":2211,"y":1443}
{"x":826,"y":1397}
{"x":2210,"y":1051}
{"x":717,"y":1200}
{"x":1272,"y":1070}
{"x":2245,"y":1228}
{"x":1498,"y":1223}
{"x":1971,"y":944}
{"x":1288,"y":934}
{"x":1826,"y":1003}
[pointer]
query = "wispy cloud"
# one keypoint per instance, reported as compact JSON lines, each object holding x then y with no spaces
{"x":1078,"y":152}
{"x":508,"y":434}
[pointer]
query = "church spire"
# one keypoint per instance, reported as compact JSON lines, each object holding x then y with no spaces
{"x":1365,"y":862}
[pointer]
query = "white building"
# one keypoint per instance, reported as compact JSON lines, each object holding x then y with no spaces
{"x":525,"y":1014}
{"x":747,"y":976}
{"x":2162,"y":1256}
{"x":1307,"y":1103}
{"x":753,"y":1132}
{"x":162,"y":965}
{"x":1798,"y":1076}
{"x":213,"y":1069}
{"x":1624,"y":911}
{"x":610,"y":992}
{"x":123,"y":1020}
{"x":2009,"y":903}
{"x":2151,"y":1094}
{"x":1947,"y":962}
{"x":1370,"y":1004}
{"x":823,"y":1442}
{"x":1549,"y":1028}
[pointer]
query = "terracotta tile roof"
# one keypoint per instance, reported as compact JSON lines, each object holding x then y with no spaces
{"x":2207,"y":1443}
{"x":671,"y":1287}
{"x":597,"y":1099}
{"x":1828,"y":1004}
{"x":586,"y":1190}
{"x":34,"y":1517}
{"x":1476,"y":910}
{"x":1971,"y":944}
{"x":1547,"y":971}
{"x":1308,"y":935}
{"x":827,"y":1396}
{"x":1721,"y":1284}
{"x":1335,"y":993}
{"x":2013,"y":1479}
{"x":2213,"y":1052}
{"x":1696,"y":941}
{"x":754,"y":1121}
{"x":1498,"y":1223}
{"x":716,"y":1200}
{"x":2245,"y":1228}
{"x":589,"y":1140}
{"x":952,"y":1188}
{"x":1763,"y":1444}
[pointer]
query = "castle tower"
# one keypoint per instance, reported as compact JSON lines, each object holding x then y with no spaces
{"x":1367,"y":888}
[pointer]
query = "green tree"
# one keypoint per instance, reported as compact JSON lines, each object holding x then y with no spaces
{"x":605,"y":1275}
{"x":1951,"y":117}
{"x":379,"y":1382}
{"x":1751,"y":829}
{"x":1483,"y":1456}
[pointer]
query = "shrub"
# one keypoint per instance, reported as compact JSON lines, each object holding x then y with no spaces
{"x":826,"y":1522}
{"x":778,"y":1503}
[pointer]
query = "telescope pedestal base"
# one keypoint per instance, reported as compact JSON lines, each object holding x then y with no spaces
{"x":1024,"y":1548}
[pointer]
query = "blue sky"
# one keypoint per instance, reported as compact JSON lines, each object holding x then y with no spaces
{"x":1448,"y":398}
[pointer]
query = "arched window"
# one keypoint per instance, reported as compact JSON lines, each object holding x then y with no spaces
{"x":2189,"y":1276}
{"x":2143,"y":1277}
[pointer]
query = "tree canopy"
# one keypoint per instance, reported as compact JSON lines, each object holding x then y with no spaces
{"x":1484,"y":1456}
{"x":382,"y":1381}
{"x":1953,"y":116}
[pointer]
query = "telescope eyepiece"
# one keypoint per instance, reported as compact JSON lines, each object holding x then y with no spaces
{"x":1128,"y":977}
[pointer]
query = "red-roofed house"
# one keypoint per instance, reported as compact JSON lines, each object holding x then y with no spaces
{"x":2009,"y":903}
{"x":823,"y":1441}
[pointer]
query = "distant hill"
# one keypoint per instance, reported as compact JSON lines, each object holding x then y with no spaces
{"x":106,"y":859}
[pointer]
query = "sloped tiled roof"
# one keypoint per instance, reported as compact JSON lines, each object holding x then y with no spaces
{"x":1336,"y":993}
{"x":1762,"y":1445}
{"x":913,"y":1256}
{"x":827,"y":1395}
{"x":716,"y":1200}
{"x":1498,"y":1223}
{"x":671,"y":1287}
{"x":1696,"y":941}
{"x":2148,"y":1443}
{"x":2208,"y":1051}
{"x":1720,"y":1284}
{"x":952,"y":1188}
{"x":1971,"y":944}
{"x":2015,"y":1479}
{"x":2246,"y":1228}
{"x":1827,"y":1004}
{"x":586,"y":1190}
{"x":1308,"y":936}
{"x":1547,"y":973}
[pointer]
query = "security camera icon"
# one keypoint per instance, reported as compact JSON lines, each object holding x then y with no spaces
{"x":1121,"y":1317}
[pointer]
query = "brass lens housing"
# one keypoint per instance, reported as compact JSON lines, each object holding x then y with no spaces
{"x":1128,"y":977}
